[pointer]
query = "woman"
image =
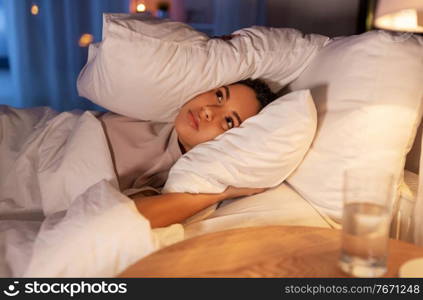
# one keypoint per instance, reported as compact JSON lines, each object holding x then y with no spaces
{"x":200,"y":120}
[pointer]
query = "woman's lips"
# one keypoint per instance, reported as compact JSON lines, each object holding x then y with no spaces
{"x":193,"y":120}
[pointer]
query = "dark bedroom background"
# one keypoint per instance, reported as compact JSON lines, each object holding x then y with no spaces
{"x":44,"y":43}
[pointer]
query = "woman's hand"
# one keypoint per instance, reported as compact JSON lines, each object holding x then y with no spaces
{"x":234,"y":192}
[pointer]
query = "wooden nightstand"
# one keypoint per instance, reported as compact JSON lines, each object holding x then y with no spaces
{"x":271,"y":251}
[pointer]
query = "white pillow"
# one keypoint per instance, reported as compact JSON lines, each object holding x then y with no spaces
{"x":368,"y":92}
{"x":262,"y":152}
{"x":148,"y":68}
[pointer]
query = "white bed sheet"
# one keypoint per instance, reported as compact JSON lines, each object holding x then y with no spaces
{"x":61,"y":213}
{"x":281,"y":205}
{"x":284,"y":206}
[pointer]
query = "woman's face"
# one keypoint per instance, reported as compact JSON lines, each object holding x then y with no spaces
{"x":209,"y":114}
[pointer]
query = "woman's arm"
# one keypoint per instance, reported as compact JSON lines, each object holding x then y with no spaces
{"x":166,"y":209}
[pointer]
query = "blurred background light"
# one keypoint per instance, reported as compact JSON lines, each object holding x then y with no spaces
{"x":35,"y":9}
{"x":141,"y":7}
{"x":85,"y":40}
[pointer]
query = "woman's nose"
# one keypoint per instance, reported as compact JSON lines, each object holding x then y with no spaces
{"x":208,"y":113}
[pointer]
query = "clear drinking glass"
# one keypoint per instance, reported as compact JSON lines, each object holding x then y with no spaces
{"x":366,"y":218}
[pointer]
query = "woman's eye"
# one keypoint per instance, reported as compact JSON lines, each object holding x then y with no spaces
{"x":230,"y":122}
{"x":219,"y":96}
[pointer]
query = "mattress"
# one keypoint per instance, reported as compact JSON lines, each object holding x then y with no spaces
{"x":281,"y":205}
{"x":284,"y":206}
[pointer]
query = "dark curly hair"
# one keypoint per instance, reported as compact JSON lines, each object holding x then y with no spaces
{"x":263,"y":92}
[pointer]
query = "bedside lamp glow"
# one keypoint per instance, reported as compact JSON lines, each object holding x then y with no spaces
{"x":141,"y":7}
{"x":399,"y":15}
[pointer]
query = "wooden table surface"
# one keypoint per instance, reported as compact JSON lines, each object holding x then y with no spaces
{"x":270,"y":251}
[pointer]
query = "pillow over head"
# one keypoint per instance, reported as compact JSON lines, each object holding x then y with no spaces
{"x":368,"y":91}
{"x":262,"y":152}
{"x":148,"y":68}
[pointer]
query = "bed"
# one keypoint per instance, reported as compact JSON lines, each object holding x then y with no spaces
{"x":100,"y":233}
{"x":69,"y":219}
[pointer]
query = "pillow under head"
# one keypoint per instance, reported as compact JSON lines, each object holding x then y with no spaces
{"x":262,"y":152}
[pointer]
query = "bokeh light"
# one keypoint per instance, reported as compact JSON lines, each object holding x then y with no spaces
{"x":35,"y":9}
{"x":141,"y":7}
{"x":85,"y":40}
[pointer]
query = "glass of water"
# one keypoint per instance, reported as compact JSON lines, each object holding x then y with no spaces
{"x":368,"y":196}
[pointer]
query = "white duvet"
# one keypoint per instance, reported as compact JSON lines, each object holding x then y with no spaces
{"x":61,"y":213}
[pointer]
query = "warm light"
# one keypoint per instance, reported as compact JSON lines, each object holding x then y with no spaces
{"x":399,"y":15}
{"x":404,"y":20}
{"x":85,"y":40}
{"x":34,"y":9}
{"x":141,"y":7}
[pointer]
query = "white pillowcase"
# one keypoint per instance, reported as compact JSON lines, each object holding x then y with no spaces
{"x":368,"y":92}
{"x":148,"y":68}
{"x":262,"y":152}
